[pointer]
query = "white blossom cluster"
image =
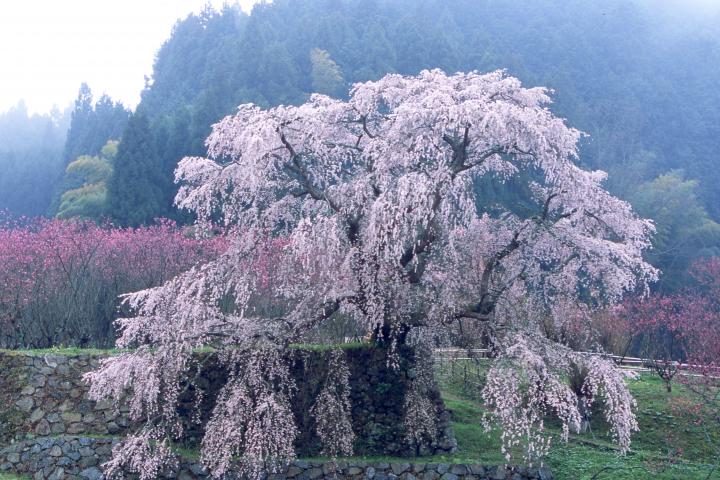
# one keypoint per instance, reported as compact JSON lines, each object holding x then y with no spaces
{"x":529,"y":382}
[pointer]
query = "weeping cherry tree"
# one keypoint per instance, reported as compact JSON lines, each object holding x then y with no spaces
{"x":367,"y":208}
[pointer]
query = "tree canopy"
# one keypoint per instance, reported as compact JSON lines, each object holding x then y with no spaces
{"x":134,"y":192}
{"x":86,"y":178}
{"x":93,"y":124}
{"x":685,"y":231}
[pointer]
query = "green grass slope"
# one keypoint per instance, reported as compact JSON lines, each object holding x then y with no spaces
{"x":672,"y":443}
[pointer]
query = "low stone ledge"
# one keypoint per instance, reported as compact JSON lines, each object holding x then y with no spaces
{"x":81,"y":458}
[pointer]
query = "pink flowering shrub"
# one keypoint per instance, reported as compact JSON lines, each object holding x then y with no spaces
{"x":653,"y":330}
{"x":60,"y":280}
{"x":699,"y":318}
{"x":678,"y":337}
{"x":673,"y":332}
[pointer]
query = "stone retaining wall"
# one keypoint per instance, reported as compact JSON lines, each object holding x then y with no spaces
{"x":44,"y":395}
{"x":78,"y":458}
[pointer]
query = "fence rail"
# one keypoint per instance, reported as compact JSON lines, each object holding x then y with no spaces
{"x":630,"y":363}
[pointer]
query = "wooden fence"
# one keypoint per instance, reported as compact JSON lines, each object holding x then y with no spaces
{"x":629,"y":363}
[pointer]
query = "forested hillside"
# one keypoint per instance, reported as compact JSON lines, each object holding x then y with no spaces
{"x":483,"y":235}
{"x":639,"y":79}
{"x":36,"y":150}
{"x":30,"y":159}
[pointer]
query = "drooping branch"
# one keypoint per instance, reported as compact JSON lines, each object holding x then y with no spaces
{"x":363,"y":122}
{"x":459,"y":148}
{"x":326,"y":310}
{"x":296,"y":167}
{"x":615,"y":235}
{"x":484,"y":308}
{"x":417,"y":252}
{"x":301,"y":173}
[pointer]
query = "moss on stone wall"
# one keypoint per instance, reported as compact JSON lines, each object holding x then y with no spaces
{"x":12,"y":378}
{"x":377,"y":393}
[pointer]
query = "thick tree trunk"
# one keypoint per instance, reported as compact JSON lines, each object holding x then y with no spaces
{"x":584,"y":414}
{"x":385,"y":334}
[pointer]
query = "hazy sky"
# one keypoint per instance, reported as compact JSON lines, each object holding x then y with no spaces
{"x":48,"y":47}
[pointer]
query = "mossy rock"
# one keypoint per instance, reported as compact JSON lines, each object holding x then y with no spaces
{"x":11,"y":418}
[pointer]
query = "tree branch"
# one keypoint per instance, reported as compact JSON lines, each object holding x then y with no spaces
{"x":299,"y":170}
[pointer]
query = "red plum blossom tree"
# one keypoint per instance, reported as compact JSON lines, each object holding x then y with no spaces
{"x":679,"y":334}
{"x":367,"y":208}
{"x":59,"y":280}
{"x":699,"y":317}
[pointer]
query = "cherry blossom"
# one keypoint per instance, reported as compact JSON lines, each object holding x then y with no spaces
{"x":367,"y":208}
